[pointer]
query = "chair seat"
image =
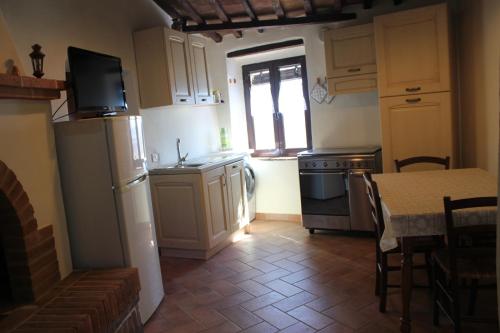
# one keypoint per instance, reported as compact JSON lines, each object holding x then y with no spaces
{"x":475,"y":264}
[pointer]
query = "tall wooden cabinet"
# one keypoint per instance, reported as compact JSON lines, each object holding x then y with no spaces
{"x":197,"y":213}
{"x":414,"y":83}
{"x":172,"y":68}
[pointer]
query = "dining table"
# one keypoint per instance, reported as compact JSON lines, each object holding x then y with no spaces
{"x":413,"y":210}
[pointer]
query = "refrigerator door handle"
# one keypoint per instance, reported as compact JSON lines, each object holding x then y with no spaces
{"x":132,"y":183}
{"x":137,"y":180}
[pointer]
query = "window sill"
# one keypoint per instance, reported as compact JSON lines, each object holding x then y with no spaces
{"x":277,"y":158}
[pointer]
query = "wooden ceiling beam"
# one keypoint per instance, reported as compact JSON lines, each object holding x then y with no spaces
{"x":199,"y":20}
{"x":249,"y":10}
{"x":334,"y":17}
{"x":278,"y":9}
{"x":309,"y":7}
{"x":398,"y":2}
{"x":219,"y":10}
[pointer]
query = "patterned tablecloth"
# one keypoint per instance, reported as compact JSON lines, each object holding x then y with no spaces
{"x":412,"y":202}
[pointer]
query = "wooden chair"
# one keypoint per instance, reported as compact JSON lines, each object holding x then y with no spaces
{"x":464,"y":259}
{"x":382,"y":268}
{"x":422,"y":159}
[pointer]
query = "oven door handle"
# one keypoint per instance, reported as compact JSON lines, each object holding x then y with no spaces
{"x":359,"y":172}
{"x":321,"y":173}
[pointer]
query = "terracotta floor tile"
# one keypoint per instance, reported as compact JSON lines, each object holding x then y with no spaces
{"x":275,"y":317}
{"x":240,"y":316}
{"x":268,"y":277}
{"x":310,"y":317}
{"x":299,"y":275}
{"x":262,"y":301}
{"x":253,"y":288}
{"x":325,"y":280}
{"x":283,"y":288}
{"x":289,"y":265}
{"x":227,"y":327}
{"x":298,"y":328}
{"x":338,"y":328}
{"x":348,"y":316}
{"x":294,"y":301}
{"x":263,"y":327}
{"x":207,"y":317}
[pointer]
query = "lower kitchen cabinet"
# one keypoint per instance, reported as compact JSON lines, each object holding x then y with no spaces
{"x":416,"y":125}
{"x":216,"y":206}
{"x":178,"y":211}
{"x":197,"y":214}
{"x":238,"y":201}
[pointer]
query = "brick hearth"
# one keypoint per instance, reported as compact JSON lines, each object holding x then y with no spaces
{"x":30,"y":253}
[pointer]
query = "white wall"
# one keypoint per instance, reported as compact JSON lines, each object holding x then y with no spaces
{"x":25,"y":130}
{"x":350,"y":120}
{"x":27,"y":147}
{"x":479,"y":46}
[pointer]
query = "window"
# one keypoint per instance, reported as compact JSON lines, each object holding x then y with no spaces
{"x":277,"y":107}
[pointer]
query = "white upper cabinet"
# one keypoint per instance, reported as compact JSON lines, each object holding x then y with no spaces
{"x":179,"y":61}
{"x":199,"y":65}
{"x":350,"y":59}
{"x":172,"y":68}
{"x":413,"y":51}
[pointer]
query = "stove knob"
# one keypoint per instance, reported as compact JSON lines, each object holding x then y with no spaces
{"x":337,"y":164}
{"x":307,"y":165}
{"x":325,"y":164}
{"x":345,"y":164}
{"x":314,"y":164}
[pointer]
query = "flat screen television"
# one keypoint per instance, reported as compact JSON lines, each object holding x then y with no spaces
{"x":96,"y":81}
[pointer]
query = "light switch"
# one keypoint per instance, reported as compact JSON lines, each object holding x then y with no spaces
{"x":155,"y":157}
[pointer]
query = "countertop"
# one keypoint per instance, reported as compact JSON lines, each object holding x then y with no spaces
{"x":207,"y":163}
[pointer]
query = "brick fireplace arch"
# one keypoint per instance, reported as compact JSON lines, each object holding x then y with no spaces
{"x":29,"y":263}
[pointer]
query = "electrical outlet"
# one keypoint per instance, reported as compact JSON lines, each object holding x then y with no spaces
{"x":155,"y":157}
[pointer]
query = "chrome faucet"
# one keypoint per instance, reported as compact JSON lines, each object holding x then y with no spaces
{"x":180,"y":160}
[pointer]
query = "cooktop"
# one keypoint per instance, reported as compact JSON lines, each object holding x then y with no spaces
{"x":340,"y":151}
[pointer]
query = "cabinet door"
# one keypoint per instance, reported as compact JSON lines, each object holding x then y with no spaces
{"x":217,"y":207}
{"x":152,"y":68}
{"x":237,"y":195}
{"x":413,"y":51}
{"x":177,"y":207}
{"x":352,"y":84}
{"x":179,"y":62}
{"x":199,"y":65}
{"x":350,"y":51}
{"x":416,"y":125}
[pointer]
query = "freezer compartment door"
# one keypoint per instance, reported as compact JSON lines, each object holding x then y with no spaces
{"x":126,"y":148}
{"x":139,"y":242}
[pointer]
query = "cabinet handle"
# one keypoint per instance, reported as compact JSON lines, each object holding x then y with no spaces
{"x":413,"y":89}
{"x":353,"y":70}
{"x":235,"y":166}
{"x":183,"y":100}
{"x":413,"y":100}
{"x":223,"y":180}
{"x":203,"y":99}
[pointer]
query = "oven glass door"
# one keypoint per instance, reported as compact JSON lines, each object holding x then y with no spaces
{"x":324,"y":193}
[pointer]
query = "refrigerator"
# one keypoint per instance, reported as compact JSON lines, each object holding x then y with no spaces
{"x":105,"y":184}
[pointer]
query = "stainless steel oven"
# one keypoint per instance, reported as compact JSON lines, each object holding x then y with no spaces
{"x":332,"y":188}
{"x":324,"y":192}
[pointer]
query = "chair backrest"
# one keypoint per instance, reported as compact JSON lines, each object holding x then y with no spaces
{"x":422,"y":159}
{"x":375,"y":205}
{"x":458,"y":237}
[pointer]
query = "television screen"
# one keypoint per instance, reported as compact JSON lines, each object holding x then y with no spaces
{"x":97,"y":81}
